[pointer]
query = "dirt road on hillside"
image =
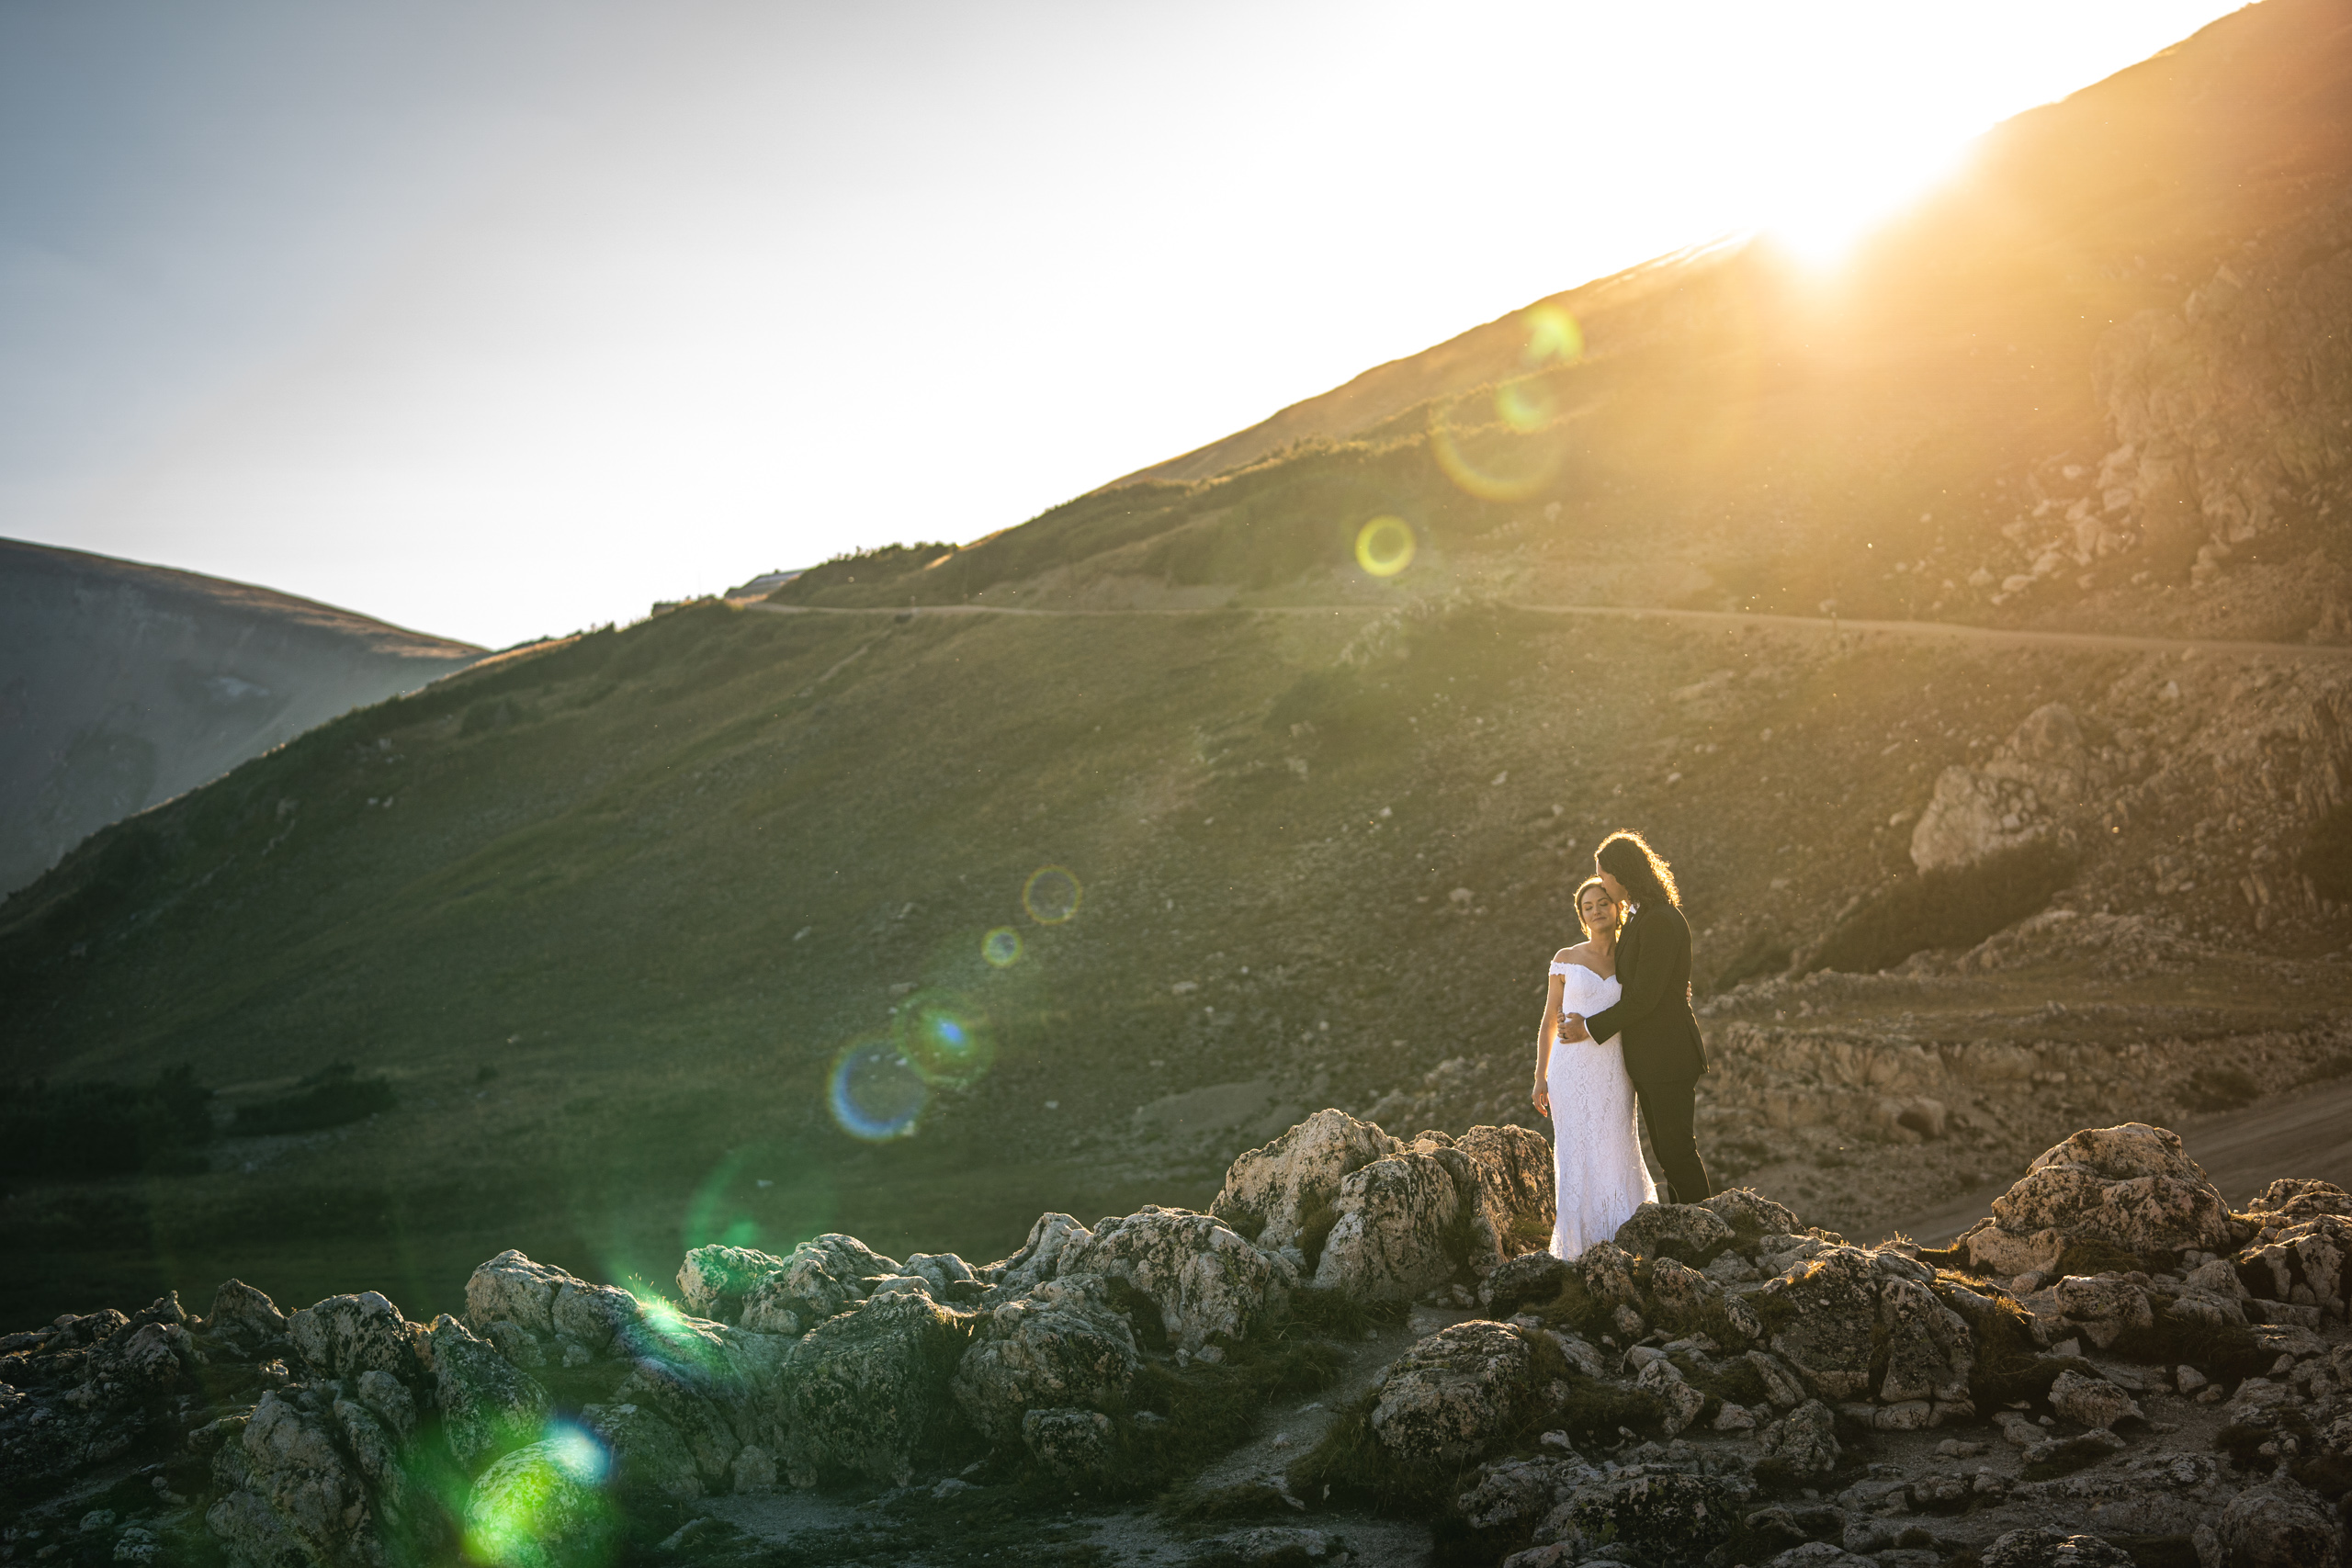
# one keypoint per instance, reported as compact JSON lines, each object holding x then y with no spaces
{"x":1941,"y":631}
{"x":2308,"y":1134}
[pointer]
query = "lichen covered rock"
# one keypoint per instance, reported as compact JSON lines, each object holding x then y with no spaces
{"x":1210,"y":1285}
{"x":1063,"y":1346}
{"x":1802,"y":1443}
{"x":1929,"y":1352}
{"x":1398,"y":1234}
{"x":1507,"y":1200}
{"x":1675,"y":1517}
{"x":1820,"y":1314}
{"x":289,"y":1493}
{"x":2282,"y":1525}
{"x":346,"y":1336}
{"x":714,"y":1280}
{"x":1685,"y":1232}
{"x":1074,"y":1446}
{"x":1462,"y":1389}
{"x":823,"y":1276}
{"x":2040,"y":1548}
{"x":867,"y":1390}
{"x":1287,"y":1193}
{"x":1038,"y":1258}
{"x":2130,"y":1188}
{"x":488,"y":1407}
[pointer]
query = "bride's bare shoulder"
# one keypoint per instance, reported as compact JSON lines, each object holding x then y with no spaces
{"x":1580,"y":955}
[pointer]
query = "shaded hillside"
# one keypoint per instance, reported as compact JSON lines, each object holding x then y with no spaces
{"x":866,"y":908}
{"x":123,"y":685}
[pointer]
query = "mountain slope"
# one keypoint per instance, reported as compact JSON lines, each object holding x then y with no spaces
{"x":866,"y":909}
{"x":123,"y":685}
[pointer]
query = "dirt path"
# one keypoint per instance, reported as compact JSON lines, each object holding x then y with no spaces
{"x":2307,"y":1133}
{"x":1930,"y":631}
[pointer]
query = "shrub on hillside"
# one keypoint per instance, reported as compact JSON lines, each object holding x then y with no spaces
{"x":80,"y":1130}
{"x":1955,"y":907}
{"x":328,"y":1098}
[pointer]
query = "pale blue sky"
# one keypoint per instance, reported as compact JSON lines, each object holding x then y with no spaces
{"x":502,"y":320}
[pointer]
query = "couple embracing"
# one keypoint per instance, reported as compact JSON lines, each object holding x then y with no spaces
{"x":1618,"y":1027}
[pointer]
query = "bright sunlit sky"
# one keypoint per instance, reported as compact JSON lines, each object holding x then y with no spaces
{"x":497,"y":320}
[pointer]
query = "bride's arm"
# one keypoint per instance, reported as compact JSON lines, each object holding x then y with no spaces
{"x":1545,"y":1034}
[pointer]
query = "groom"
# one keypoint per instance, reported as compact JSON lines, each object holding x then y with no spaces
{"x":1652,"y":1015}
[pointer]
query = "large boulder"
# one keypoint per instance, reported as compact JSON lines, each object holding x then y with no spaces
{"x":2282,"y":1525}
{"x":289,"y":1495}
{"x":1287,"y":1193}
{"x":1462,"y":1390}
{"x":1399,"y":1232}
{"x":510,"y":1288}
{"x":346,"y":1336}
{"x":542,"y":1506}
{"x":1508,"y":1196}
{"x":1063,"y":1346}
{"x":247,"y":1317}
{"x":714,"y":1280}
{"x":1210,"y":1285}
{"x":2130,"y":1188}
{"x":1821,"y":1314}
{"x":488,"y":1407}
{"x":867,"y":1390}
{"x":1751,"y":1215}
{"x":822,"y":1277}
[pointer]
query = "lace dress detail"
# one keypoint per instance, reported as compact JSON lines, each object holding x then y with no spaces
{"x":1599,"y":1179}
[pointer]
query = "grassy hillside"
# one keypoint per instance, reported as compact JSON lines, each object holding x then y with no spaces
{"x":641,"y":929}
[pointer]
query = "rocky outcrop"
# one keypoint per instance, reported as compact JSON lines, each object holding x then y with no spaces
{"x":1398,"y":1231}
{"x":1064,"y":1345}
{"x":1704,"y":1379}
{"x":1460,"y":1391}
{"x":2130,"y":1188}
{"x":2013,"y":798}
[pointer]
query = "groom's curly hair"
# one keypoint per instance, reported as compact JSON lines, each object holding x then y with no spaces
{"x":1627,"y":856}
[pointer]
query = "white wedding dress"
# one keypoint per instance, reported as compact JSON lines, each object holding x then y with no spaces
{"x":1599,"y":1176}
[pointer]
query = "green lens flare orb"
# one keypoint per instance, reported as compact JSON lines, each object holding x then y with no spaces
{"x":1553,"y":337}
{"x":1385,"y":546}
{"x":1001,"y":947}
{"x":1051,"y":895}
{"x":875,"y":1092}
{"x":948,"y":1046}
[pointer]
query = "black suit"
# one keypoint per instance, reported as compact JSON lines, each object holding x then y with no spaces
{"x":1659,"y":1035}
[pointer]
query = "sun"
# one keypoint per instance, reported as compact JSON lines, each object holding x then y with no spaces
{"x":1828,"y":206}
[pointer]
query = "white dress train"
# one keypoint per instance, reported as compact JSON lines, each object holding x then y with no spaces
{"x":1599,"y":1176}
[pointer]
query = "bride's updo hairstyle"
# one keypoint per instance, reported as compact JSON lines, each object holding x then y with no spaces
{"x":1586,"y":886}
{"x":1627,"y":856}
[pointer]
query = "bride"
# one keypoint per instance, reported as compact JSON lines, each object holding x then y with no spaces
{"x":1583,"y":1086}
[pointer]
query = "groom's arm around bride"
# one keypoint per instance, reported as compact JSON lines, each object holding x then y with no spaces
{"x":1652,"y":1017}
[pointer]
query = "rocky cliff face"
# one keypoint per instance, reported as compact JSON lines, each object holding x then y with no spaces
{"x":122,"y":685}
{"x":2112,"y":1365}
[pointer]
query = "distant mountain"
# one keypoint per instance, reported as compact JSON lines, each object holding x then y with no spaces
{"x":124,"y":684}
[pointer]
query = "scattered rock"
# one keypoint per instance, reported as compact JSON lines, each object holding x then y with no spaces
{"x":1679,"y":1518}
{"x":822,"y":1277}
{"x":346,"y":1336}
{"x":1821,"y":1314}
{"x":2091,"y":1402}
{"x":713,"y":1280}
{"x":1509,"y":1198}
{"x":1802,"y":1443}
{"x":1529,"y":1278}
